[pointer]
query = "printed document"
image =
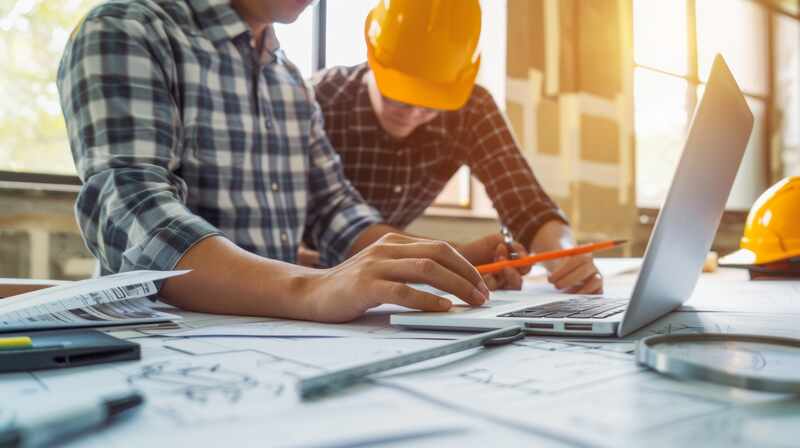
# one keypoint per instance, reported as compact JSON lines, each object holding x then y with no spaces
{"x":119,"y":298}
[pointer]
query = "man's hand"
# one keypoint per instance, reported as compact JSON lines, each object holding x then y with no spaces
{"x":578,"y":274}
{"x":380,"y":272}
{"x":508,"y":278}
{"x":489,"y":249}
{"x":575,"y":275}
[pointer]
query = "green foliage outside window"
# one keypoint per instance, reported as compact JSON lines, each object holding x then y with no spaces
{"x":32,"y":37}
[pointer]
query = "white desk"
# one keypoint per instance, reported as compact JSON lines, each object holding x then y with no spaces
{"x":237,"y":391}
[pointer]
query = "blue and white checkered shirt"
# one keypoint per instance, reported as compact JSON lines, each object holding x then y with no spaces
{"x":180,"y":130}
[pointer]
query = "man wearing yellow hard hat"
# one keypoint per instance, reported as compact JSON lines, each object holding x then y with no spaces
{"x":411,"y":116}
{"x":770,"y":246}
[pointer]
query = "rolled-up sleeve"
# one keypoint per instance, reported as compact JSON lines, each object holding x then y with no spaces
{"x":337,"y":213}
{"x":496,"y":160}
{"x":125,"y":135}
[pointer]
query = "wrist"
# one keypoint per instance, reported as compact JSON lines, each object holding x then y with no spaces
{"x":301,"y":288}
{"x":553,"y":235}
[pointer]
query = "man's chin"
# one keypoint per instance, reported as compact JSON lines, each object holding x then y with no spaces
{"x":400,"y":133}
{"x":292,"y":13}
{"x":287,"y":19}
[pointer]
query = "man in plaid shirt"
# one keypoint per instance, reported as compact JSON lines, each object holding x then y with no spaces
{"x":200,"y":147}
{"x":400,"y":145}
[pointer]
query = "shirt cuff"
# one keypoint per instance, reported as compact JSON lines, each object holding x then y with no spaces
{"x":529,"y":230}
{"x":163,"y":250}
{"x":344,"y":230}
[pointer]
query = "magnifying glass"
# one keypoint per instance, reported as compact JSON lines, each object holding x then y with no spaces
{"x":762,"y":363}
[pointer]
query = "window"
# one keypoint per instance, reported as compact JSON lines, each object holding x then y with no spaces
{"x":787,"y":91}
{"x":344,"y":31}
{"x":297,"y":41}
{"x":674,"y":47}
{"x":33,"y":33}
{"x":33,"y":138}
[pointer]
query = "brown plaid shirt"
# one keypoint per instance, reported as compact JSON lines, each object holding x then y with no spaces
{"x":401,"y":178}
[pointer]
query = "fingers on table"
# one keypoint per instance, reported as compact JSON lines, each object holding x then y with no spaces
{"x":577,"y":275}
{"x":438,"y":251}
{"x":593,"y":286}
{"x":402,"y":294}
{"x":429,"y":271}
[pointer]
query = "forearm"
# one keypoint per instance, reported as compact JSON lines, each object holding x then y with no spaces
{"x":226,"y":279}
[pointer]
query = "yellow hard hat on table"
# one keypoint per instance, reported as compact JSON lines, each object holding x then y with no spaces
{"x":424,"y":52}
{"x":772,"y":230}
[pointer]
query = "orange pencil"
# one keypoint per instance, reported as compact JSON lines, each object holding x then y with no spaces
{"x":544,"y":256}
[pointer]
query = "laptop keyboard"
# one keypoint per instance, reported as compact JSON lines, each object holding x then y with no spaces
{"x":583,"y":307}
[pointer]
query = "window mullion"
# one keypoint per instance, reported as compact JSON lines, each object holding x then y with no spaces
{"x":693,"y":75}
{"x":319,"y":37}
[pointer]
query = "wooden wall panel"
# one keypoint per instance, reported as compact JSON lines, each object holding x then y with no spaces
{"x":599,"y":139}
{"x":525,"y":47}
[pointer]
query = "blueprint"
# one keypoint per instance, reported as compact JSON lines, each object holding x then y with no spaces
{"x":591,"y":396}
{"x":230,"y":381}
{"x":745,"y":296}
{"x":224,"y":396}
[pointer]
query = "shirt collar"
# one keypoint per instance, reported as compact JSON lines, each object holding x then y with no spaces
{"x":218,"y":20}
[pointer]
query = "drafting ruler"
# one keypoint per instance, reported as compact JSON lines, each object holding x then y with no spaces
{"x":341,"y":378}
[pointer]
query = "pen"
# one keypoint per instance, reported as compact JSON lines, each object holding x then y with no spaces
{"x":544,"y":256}
{"x":57,"y":427}
{"x":339,"y":379}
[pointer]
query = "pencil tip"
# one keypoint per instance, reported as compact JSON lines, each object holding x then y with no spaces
{"x":620,"y":242}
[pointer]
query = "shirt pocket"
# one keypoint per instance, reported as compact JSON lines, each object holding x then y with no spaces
{"x":222,"y":142}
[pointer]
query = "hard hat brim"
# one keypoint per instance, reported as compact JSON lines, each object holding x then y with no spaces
{"x":742,"y":258}
{"x":398,"y":86}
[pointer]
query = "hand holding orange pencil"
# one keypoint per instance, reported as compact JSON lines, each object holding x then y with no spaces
{"x":545,"y":256}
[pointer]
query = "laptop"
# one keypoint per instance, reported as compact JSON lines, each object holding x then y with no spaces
{"x":672,"y":263}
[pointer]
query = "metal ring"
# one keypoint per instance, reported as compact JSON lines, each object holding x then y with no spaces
{"x":648,"y":355}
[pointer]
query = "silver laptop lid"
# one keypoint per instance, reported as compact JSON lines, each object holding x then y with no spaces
{"x":688,"y":221}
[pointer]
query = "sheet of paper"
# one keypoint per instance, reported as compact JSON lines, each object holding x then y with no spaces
{"x":542,"y":392}
{"x":125,"y":312}
{"x":375,"y":323}
{"x":575,"y":394}
{"x":230,"y":398}
{"x":721,"y":322}
{"x":745,"y":296}
{"x":96,"y":291}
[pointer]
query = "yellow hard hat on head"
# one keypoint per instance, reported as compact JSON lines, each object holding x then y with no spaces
{"x":772,"y":230}
{"x":424,"y":52}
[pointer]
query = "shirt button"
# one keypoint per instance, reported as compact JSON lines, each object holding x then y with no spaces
{"x":284,"y":237}
{"x":274,"y":186}
{"x":398,"y":188}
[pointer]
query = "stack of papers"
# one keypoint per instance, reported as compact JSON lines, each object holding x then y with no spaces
{"x":111,"y":300}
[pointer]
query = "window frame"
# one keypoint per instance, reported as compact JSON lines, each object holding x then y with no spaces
{"x":692,"y":77}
